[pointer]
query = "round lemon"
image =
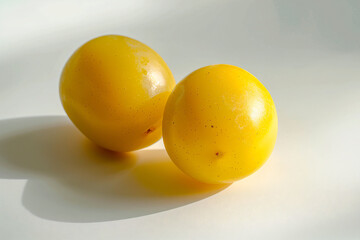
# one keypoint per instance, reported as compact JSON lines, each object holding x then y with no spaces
{"x":220,"y":124}
{"x":114,"y":89}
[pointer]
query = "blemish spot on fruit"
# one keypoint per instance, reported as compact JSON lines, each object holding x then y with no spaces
{"x":219,"y":154}
{"x":149,"y":130}
{"x":212,"y":126}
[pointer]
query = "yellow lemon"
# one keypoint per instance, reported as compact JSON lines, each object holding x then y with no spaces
{"x":220,"y":124}
{"x":114,"y":89}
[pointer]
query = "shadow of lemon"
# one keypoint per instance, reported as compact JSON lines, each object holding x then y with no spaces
{"x":70,"y":179}
{"x":163,"y":177}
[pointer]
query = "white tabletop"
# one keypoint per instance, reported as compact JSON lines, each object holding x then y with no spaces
{"x":54,"y":184}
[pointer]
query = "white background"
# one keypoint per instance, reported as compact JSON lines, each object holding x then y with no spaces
{"x":55,"y":185}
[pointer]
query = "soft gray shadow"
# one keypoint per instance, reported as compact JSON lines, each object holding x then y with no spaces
{"x":72,"y":180}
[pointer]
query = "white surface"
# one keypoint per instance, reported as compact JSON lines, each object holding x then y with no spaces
{"x":54,"y":184}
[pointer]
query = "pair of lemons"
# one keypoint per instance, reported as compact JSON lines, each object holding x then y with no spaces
{"x":219,"y":124}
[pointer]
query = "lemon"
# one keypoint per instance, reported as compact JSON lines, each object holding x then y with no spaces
{"x":114,"y":89}
{"x":220,"y":124}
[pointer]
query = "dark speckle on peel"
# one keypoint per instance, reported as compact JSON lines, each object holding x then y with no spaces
{"x":219,"y":154}
{"x":149,"y":130}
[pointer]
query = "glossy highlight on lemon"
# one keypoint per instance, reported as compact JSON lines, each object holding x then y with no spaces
{"x":114,"y":89}
{"x":220,"y":124}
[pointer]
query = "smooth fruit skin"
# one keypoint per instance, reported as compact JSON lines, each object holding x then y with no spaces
{"x":220,"y":124}
{"x":114,"y":89}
